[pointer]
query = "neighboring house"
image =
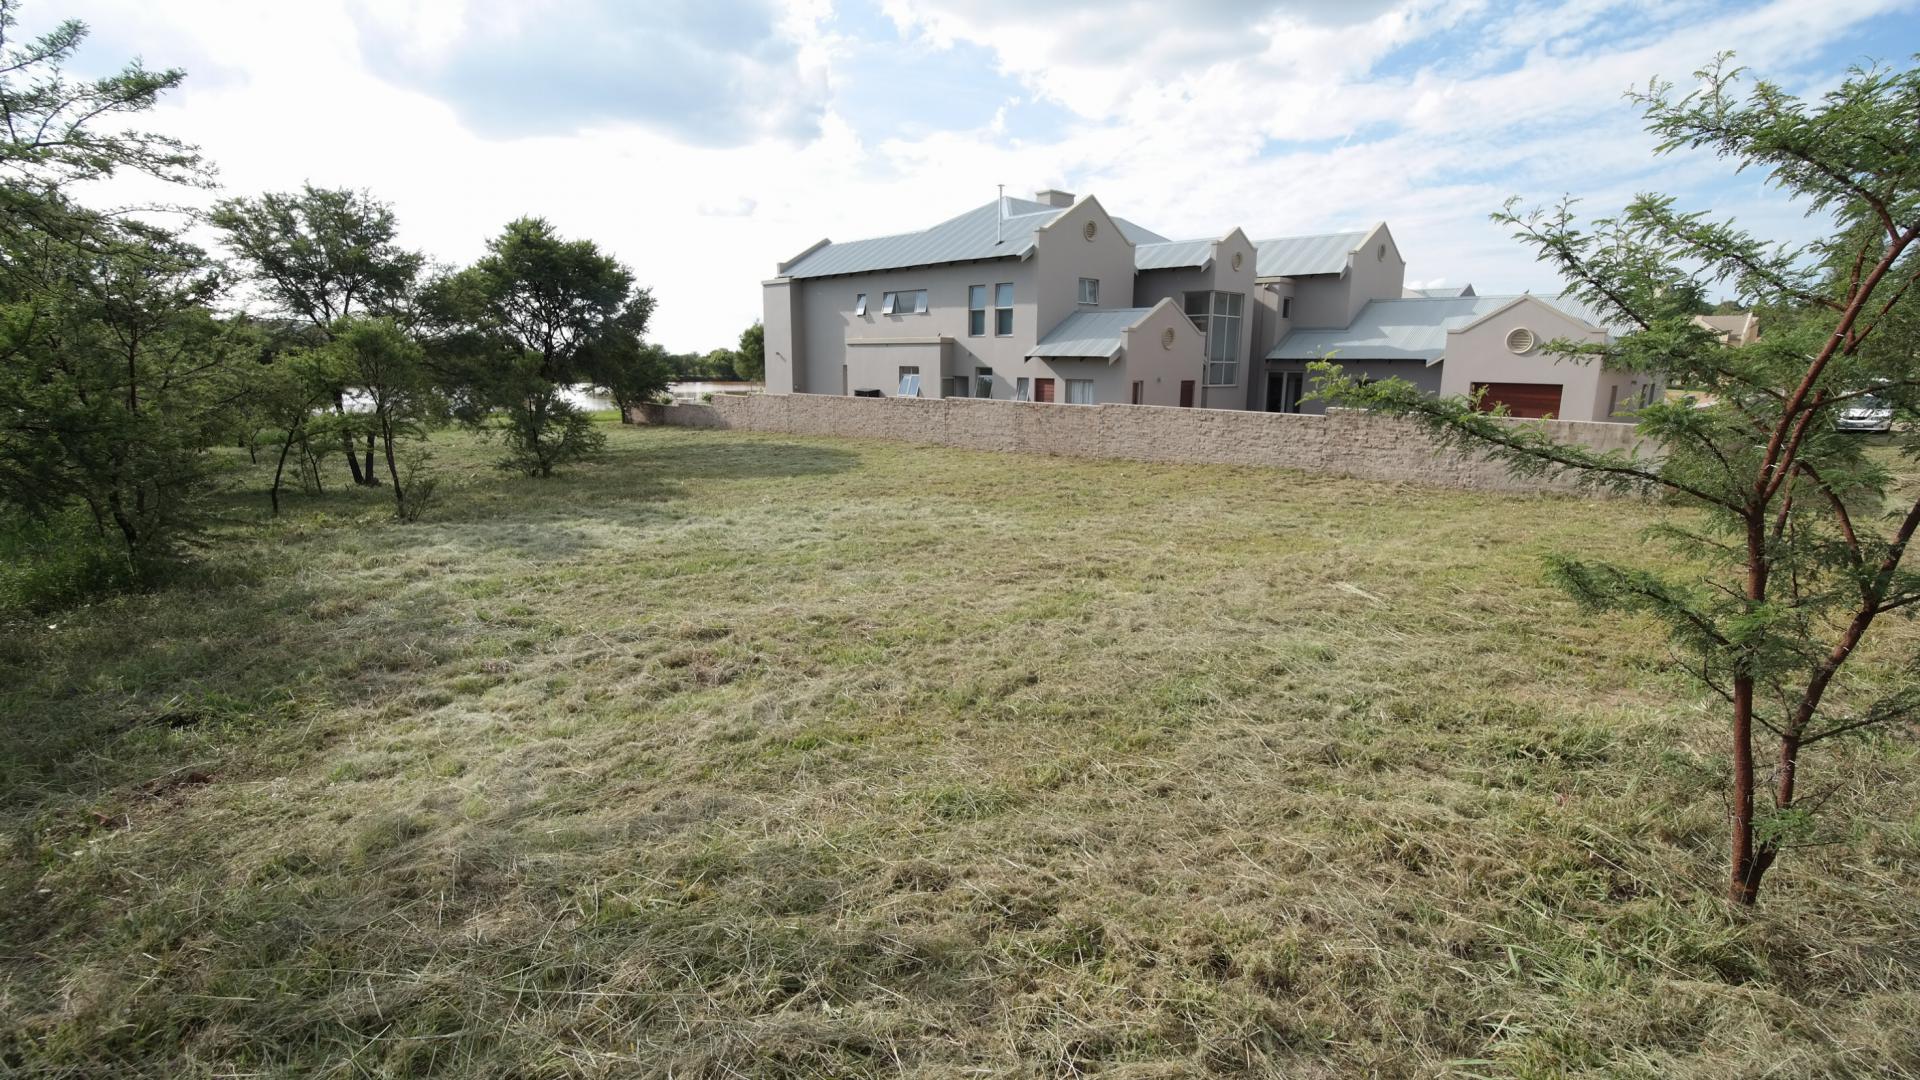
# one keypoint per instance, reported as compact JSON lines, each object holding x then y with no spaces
{"x":1740,"y":328}
{"x":1054,"y":299}
{"x":1463,"y":345}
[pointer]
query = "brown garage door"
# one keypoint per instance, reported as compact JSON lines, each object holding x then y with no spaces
{"x":1521,"y":398}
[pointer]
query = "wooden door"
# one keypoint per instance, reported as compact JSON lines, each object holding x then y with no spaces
{"x":1186,"y":393}
{"x":1043,"y":389}
{"x":1531,"y":400}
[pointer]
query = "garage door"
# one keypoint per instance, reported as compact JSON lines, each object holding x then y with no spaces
{"x":1521,"y":398}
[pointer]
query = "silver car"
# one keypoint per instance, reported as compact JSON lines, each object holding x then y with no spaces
{"x":1865,"y":414}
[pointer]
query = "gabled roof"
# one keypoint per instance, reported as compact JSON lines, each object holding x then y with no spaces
{"x":1173,"y":254}
{"x":1411,"y":328}
{"x":1294,"y":256}
{"x":980,"y":233}
{"x":1090,"y":333}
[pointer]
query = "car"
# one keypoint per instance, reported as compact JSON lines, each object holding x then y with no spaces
{"x":1866,"y":413}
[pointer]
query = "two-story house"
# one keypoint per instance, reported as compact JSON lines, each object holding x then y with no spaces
{"x":1053,"y":299}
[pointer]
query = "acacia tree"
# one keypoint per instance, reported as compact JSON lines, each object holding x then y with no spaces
{"x":390,"y":367}
{"x":322,"y":255}
{"x":114,"y":377}
{"x":526,"y":322}
{"x":1802,"y":535}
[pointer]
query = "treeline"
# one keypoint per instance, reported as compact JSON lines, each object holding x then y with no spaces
{"x":746,"y":363}
{"x":124,"y":360}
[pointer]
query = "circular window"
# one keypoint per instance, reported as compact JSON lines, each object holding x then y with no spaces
{"x":1166,"y":338}
{"x":1090,"y":231}
{"x":1380,"y":253}
{"x":1520,"y":340}
{"x":1239,"y":259}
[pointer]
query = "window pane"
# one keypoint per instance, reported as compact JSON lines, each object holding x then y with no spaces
{"x":920,"y":302}
{"x":1003,"y":295}
{"x":1021,"y":391}
{"x":1197,"y":303}
{"x":977,"y":297}
{"x":860,"y":304}
{"x":1079,"y":391}
{"x":976,"y":323}
{"x":1003,"y":321}
{"x":1233,"y":304}
{"x":983,"y":384}
{"x":886,"y":303}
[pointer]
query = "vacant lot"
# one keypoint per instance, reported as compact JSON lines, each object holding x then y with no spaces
{"x":759,"y":756}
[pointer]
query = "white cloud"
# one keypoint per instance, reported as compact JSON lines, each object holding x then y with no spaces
{"x":1426,"y":114}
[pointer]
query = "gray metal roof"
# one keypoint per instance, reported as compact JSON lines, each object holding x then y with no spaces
{"x":966,"y":238}
{"x":1293,"y":256}
{"x":1173,"y":254}
{"x":1443,"y":293}
{"x":1089,"y":333}
{"x":1409,"y":328}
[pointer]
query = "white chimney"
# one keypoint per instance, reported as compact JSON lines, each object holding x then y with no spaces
{"x":1054,"y":197}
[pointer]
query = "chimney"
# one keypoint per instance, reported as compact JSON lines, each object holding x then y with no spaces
{"x":1053,"y":197}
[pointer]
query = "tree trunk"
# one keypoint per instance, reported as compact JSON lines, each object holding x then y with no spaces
{"x":346,"y":438}
{"x":286,"y":447}
{"x":1744,"y":886}
{"x":372,"y":480}
{"x":393,"y":470}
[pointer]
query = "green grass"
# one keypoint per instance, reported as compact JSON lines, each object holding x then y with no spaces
{"x":739,"y":755}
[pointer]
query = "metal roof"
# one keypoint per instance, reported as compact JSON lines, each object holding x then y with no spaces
{"x":979,"y":233}
{"x":1443,"y":293}
{"x":1293,"y":256}
{"x":1173,"y":254}
{"x":1090,"y":333}
{"x":1409,"y":328}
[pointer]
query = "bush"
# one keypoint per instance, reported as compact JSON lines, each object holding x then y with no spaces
{"x":52,"y":564}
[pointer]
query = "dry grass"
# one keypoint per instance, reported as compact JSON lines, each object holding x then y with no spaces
{"x":760,"y":756}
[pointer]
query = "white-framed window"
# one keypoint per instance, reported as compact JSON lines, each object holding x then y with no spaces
{"x":1023,"y":389}
{"x":983,"y":382}
{"x":1003,"y":309}
{"x":1079,"y":391}
{"x":1286,"y":307}
{"x":912,"y":301}
{"x":1218,"y":314}
{"x":860,"y":304}
{"x":1090,"y":290}
{"x":909,"y":381}
{"x":976,"y":310}
{"x":956,"y":387}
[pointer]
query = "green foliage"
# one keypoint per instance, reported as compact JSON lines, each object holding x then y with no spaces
{"x":536,"y":315}
{"x":57,"y":561}
{"x":1803,"y":533}
{"x":388,"y":367}
{"x":750,"y":360}
{"x":321,"y":254}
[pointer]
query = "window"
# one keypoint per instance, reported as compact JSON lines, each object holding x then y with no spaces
{"x":1286,"y":307}
{"x":1090,"y":290}
{"x":956,"y":387}
{"x":1613,"y":399}
{"x":1218,"y":314}
{"x":1139,"y":392}
{"x":860,"y":304}
{"x":901,"y":303}
{"x":976,"y":310}
{"x":909,"y":382}
{"x":983,"y":382}
{"x":1003,"y":309}
{"x":1022,"y":390}
{"x":1079,"y":391}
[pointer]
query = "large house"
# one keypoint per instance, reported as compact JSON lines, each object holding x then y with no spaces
{"x":1054,"y":299}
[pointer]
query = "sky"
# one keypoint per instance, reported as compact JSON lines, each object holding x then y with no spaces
{"x":704,"y":141}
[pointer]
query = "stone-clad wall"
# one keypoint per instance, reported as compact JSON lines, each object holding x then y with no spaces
{"x":1341,"y":443}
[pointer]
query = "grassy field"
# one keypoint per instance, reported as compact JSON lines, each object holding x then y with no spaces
{"x":740,"y":755}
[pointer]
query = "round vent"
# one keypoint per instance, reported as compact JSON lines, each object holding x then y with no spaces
{"x":1166,"y":338}
{"x":1239,"y":259}
{"x":1090,"y":231}
{"x":1520,"y":340}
